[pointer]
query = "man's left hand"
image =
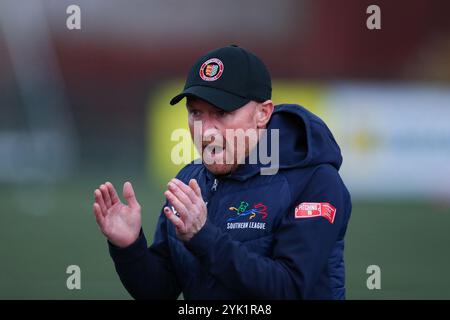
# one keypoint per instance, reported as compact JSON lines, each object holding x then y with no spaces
{"x":189,"y":205}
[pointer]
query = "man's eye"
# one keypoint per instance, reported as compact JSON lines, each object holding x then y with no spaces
{"x":222,"y":113}
{"x":194,"y":112}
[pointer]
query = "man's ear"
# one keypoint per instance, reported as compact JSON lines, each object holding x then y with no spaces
{"x":263,"y":113}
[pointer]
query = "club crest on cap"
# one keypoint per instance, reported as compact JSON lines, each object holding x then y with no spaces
{"x":211,"y":69}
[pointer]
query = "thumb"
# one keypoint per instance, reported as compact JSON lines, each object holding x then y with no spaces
{"x":128,"y":194}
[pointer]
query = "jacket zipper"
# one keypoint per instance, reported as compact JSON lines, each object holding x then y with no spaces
{"x":214,"y":186}
{"x":213,"y":189}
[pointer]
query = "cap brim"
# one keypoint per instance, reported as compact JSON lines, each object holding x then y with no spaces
{"x":221,"y":99}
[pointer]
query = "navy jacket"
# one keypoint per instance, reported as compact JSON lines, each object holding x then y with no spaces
{"x":266,"y":236}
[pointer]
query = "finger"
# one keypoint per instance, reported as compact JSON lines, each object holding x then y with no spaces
{"x":177,"y":222}
{"x":128,"y":193}
{"x":180,"y":195}
{"x":106,"y":197}
{"x":112,"y":193}
{"x":177,"y":204}
{"x":99,"y":200}
{"x":98,"y":214}
{"x":186,"y":189}
{"x":194,"y":185}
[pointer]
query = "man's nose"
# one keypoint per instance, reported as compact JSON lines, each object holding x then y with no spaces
{"x":211,"y":131}
{"x":208,"y":125}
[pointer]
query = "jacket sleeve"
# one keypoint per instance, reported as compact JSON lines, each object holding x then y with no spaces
{"x":300,"y":253}
{"x":147,"y":273}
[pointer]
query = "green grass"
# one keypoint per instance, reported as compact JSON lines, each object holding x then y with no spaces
{"x":45,"y":229}
{"x":409,"y":241}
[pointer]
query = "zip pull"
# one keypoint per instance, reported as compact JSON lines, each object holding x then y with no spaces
{"x":214,"y":187}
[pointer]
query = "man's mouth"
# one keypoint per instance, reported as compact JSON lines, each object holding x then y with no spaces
{"x":217,"y":150}
{"x":214,"y":150}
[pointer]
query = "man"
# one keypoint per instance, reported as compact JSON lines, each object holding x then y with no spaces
{"x":228,"y":231}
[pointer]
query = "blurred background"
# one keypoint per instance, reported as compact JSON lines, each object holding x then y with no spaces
{"x":84,"y":106}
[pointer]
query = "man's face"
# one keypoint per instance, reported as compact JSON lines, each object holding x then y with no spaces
{"x":215,"y":122}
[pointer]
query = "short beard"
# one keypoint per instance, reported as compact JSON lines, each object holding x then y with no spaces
{"x":221,"y":169}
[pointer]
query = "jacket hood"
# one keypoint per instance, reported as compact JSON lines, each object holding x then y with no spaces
{"x":304,"y":141}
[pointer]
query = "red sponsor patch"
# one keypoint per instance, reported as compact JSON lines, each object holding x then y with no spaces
{"x":315,"y":209}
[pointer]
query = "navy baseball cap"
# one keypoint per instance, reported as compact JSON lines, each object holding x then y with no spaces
{"x":227,"y":78}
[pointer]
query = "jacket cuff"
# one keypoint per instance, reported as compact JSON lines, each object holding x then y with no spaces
{"x":202,"y":242}
{"x":132,"y":252}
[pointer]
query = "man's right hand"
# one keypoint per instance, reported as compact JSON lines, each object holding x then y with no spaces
{"x":120,"y":223}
